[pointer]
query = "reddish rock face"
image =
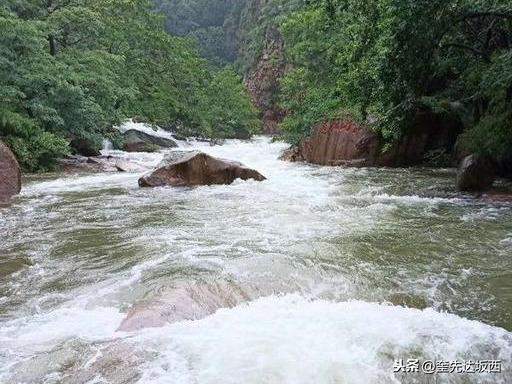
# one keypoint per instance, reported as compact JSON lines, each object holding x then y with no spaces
{"x":345,"y":142}
{"x":339,"y":143}
{"x":10,"y":174}
{"x":197,"y":168}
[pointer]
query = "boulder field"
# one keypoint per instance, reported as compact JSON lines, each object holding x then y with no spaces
{"x":197,"y":168}
{"x":10,"y":174}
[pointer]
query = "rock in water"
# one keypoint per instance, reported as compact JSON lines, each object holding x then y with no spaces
{"x":346,"y":142}
{"x":187,"y":301}
{"x":475,"y":174}
{"x":197,"y":168}
{"x":137,"y":141}
{"x":10,"y":174}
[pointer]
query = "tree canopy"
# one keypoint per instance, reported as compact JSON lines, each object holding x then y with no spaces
{"x":71,"y":69}
{"x":381,"y":60}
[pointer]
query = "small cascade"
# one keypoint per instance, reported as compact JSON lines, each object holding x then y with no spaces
{"x":107,"y":146}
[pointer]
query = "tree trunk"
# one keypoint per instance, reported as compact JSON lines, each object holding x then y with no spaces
{"x":53,"y":45}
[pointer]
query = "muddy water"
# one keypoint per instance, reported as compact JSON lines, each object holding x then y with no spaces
{"x":317,"y":275}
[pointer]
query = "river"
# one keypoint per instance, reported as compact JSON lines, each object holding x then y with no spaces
{"x":316,"y":275}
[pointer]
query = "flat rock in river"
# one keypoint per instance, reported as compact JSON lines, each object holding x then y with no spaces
{"x":187,"y":301}
{"x":197,"y":168}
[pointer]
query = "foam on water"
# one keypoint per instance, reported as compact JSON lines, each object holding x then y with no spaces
{"x":92,"y":246}
{"x":154,"y":131}
{"x":293,"y":340}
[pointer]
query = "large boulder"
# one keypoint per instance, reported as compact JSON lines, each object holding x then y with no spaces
{"x":10,"y":174}
{"x":475,"y":174}
{"x":138,"y":141}
{"x":197,"y":168}
{"x":341,"y":142}
{"x":346,"y":142}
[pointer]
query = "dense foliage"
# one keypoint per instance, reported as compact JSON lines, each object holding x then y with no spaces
{"x":71,"y":69}
{"x":381,"y":60}
{"x":206,"y":22}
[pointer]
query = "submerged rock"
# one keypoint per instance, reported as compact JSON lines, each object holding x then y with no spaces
{"x":185,"y":302}
{"x":77,"y":362}
{"x":197,"y":168}
{"x":475,"y":174}
{"x":10,"y":174}
{"x":138,"y":141}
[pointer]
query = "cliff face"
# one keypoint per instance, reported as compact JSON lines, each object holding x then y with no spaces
{"x":263,"y":80}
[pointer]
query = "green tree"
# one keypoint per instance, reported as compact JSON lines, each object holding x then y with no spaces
{"x":72,"y":69}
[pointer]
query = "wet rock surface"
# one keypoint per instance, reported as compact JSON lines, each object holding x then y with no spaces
{"x":97,"y":164}
{"x":10,"y":174}
{"x":197,"y":168}
{"x":187,"y":301}
{"x":138,"y":141}
{"x":475,"y":174}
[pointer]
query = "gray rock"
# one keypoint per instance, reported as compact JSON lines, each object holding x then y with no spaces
{"x":137,"y":141}
{"x":475,"y":174}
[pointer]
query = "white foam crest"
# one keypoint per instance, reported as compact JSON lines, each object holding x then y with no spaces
{"x":292,"y":340}
{"x":35,"y":333}
{"x":146,"y":128}
{"x":485,"y":214}
{"x":79,"y":183}
{"x":412,"y":199}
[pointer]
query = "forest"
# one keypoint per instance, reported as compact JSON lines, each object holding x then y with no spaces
{"x":382,"y":60}
{"x":71,"y":69}
{"x":256,"y":191}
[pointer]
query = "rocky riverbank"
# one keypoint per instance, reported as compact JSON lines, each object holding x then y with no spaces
{"x":433,"y":142}
{"x":10,"y":174}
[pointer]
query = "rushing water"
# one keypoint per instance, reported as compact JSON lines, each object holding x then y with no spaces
{"x":316,"y":275}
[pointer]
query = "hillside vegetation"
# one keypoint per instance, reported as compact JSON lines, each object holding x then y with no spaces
{"x":71,"y":69}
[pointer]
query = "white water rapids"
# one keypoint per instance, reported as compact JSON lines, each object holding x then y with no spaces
{"x":336,"y":273}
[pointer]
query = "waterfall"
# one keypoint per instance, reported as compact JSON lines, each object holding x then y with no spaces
{"x":107,"y":146}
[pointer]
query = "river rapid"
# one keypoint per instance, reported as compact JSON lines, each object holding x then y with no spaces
{"x":316,"y":275}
